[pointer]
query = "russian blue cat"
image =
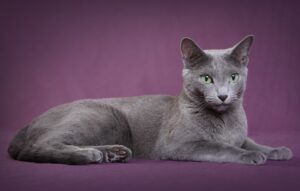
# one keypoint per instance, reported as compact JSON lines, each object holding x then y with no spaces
{"x":206,"y":122}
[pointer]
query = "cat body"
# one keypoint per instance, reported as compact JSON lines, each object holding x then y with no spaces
{"x":206,"y":122}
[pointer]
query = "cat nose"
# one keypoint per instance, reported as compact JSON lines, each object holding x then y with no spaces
{"x":222,"y":97}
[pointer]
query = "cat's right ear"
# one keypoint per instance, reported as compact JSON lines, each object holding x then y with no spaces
{"x":190,"y":52}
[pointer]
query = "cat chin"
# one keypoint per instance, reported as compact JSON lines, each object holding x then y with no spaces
{"x":220,"y":107}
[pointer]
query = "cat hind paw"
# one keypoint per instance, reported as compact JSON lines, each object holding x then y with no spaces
{"x":118,"y":153}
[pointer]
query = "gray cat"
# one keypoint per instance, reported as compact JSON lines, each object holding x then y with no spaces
{"x":206,"y":122}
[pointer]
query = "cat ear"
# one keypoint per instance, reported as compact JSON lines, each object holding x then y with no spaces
{"x":240,"y":51}
{"x":190,"y":51}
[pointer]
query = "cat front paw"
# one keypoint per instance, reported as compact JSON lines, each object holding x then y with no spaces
{"x":280,"y":153}
{"x":253,"y":158}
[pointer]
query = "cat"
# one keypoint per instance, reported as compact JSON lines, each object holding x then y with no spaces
{"x":206,"y":122}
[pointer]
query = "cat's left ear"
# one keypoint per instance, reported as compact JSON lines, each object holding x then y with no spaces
{"x":240,"y":51}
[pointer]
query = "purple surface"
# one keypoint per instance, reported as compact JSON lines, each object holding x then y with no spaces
{"x":57,"y":51}
{"x":156,"y":175}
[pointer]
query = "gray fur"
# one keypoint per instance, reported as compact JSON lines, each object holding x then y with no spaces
{"x":195,"y":126}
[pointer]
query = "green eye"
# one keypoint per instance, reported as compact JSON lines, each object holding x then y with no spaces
{"x":234,"y":77}
{"x":206,"y":79}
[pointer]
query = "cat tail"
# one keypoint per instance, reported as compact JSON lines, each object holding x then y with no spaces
{"x":17,"y":144}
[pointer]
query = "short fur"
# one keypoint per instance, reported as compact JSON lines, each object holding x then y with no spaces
{"x":206,"y":122}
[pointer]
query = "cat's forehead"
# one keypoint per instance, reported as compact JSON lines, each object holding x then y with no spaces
{"x":218,"y":56}
{"x":219,"y":60}
{"x":218,"y":63}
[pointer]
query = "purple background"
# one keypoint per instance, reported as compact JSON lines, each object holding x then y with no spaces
{"x":58,"y":51}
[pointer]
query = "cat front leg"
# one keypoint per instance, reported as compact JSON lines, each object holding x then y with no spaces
{"x":278,"y":153}
{"x":214,"y":152}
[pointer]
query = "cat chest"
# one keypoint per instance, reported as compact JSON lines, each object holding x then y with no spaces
{"x":230,"y":129}
{"x":234,"y":136}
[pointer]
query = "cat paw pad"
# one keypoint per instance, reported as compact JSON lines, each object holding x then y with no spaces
{"x":118,"y":153}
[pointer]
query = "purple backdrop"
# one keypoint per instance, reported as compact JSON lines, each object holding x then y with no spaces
{"x":53,"y":53}
{"x":58,"y":51}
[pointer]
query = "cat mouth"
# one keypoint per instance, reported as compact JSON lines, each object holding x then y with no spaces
{"x":221,"y":107}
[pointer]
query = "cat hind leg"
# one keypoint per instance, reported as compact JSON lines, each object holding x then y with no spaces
{"x":60,"y":153}
{"x":71,"y":154}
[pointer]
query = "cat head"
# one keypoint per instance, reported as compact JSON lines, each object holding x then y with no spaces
{"x":215,"y":78}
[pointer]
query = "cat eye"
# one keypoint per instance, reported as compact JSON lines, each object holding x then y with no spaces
{"x":206,"y":79}
{"x":234,"y":77}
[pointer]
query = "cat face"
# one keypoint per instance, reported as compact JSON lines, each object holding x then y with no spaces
{"x":216,"y":78}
